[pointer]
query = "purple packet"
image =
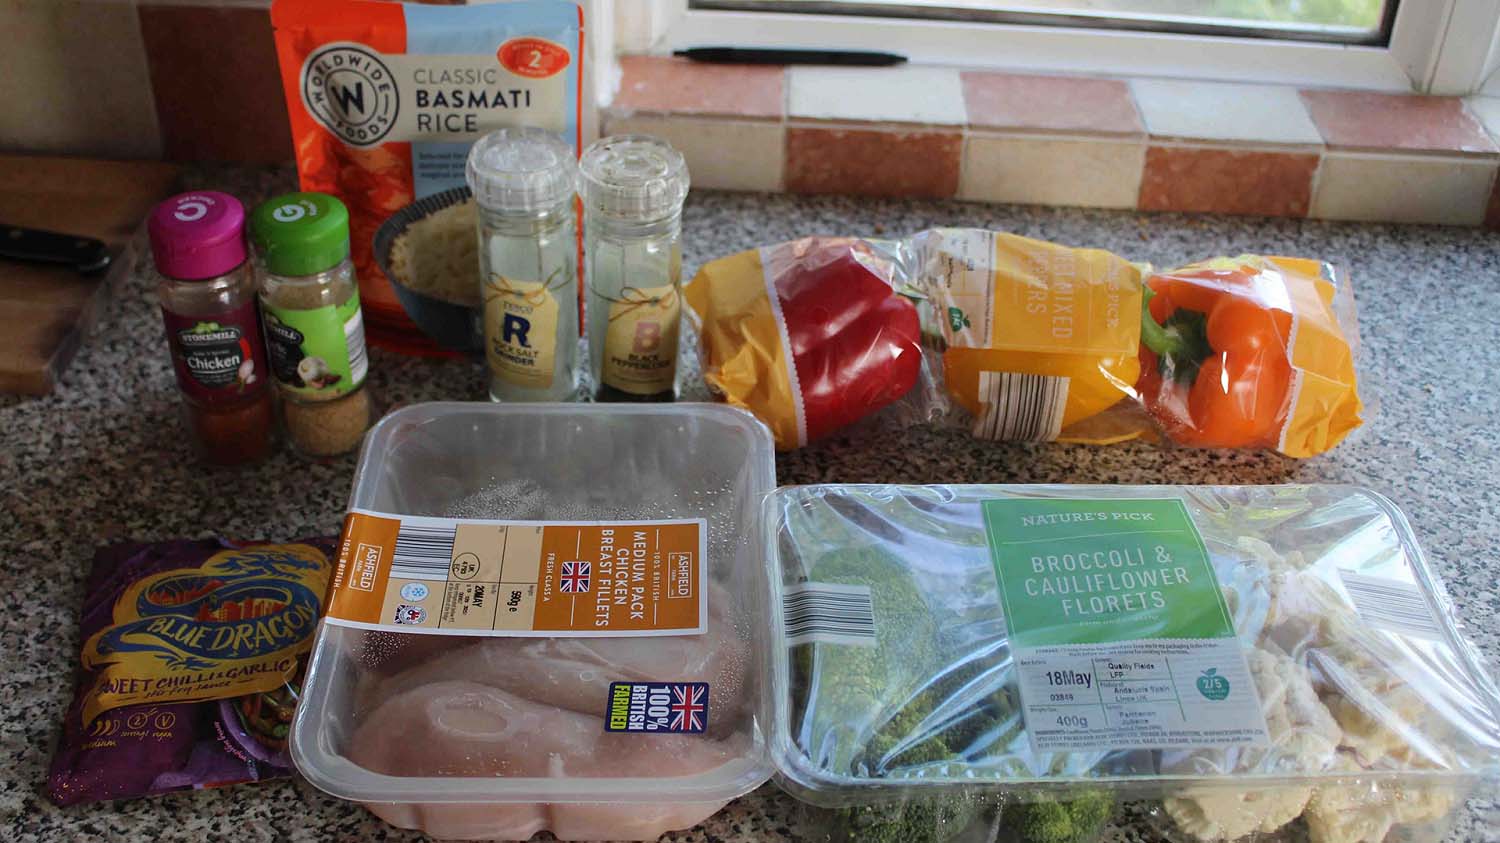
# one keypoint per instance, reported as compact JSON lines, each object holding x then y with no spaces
{"x":191,"y":655}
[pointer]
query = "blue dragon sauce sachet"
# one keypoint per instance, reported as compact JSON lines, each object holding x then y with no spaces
{"x":191,"y":653}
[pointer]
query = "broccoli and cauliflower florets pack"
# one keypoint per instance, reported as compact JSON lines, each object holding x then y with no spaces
{"x":934,"y":697}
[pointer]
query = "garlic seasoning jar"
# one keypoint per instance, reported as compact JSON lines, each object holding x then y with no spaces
{"x":315,"y":332}
{"x":523,"y":182}
{"x":633,"y":187}
{"x":207,"y":294}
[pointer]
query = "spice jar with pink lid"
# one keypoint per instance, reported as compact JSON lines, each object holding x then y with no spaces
{"x":207,"y":294}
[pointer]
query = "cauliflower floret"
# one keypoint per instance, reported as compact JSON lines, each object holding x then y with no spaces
{"x":1230,"y":815}
{"x":1348,"y":813}
{"x":1304,"y":733}
{"x":1365,"y":812}
{"x":1304,"y":738}
{"x":1353,"y":669}
{"x":1301,"y":603}
{"x":1420,"y":804}
{"x":1380,"y":723}
{"x":1380,"y":713}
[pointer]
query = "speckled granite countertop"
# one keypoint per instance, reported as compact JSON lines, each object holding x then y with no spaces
{"x":103,"y":458}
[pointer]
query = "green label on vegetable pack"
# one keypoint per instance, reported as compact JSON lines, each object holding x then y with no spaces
{"x":318,"y":352}
{"x":1088,"y":571}
{"x":1121,"y":636}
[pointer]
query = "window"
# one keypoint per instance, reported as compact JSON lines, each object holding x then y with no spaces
{"x":1340,"y":21}
{"x":1436,"y":46}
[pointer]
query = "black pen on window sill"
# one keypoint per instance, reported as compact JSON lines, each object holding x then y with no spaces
{"x":777,"y":55}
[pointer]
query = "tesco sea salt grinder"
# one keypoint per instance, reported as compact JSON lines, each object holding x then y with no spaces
{"x":314,"y":328}
{"x":207,"y":295}
{"x":633,"y":187}
{"x":523,"y":182}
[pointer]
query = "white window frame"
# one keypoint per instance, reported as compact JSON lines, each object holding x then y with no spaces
{"x":1437,"y":46}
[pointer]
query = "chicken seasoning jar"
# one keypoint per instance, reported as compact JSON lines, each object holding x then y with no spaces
{"x":315,"y":334}
{"x":207,"y":295}
{"x":633,"y":187}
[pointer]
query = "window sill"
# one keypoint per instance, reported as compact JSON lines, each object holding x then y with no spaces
{"x":1051,"y":140}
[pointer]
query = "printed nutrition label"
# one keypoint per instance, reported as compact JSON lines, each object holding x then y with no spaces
{"x":475,"y":577}
{"x":1119,"y":629}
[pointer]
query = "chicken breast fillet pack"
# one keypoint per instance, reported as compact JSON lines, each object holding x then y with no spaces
{"x":602,"y":621}
{"x":546,"y":617}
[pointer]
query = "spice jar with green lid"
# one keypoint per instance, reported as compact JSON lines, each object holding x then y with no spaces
{"x":315,"y":335}
{"x":632,"y":188}
{"x":523,"y":182}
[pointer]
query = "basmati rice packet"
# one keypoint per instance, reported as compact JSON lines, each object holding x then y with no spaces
{"x":386,"y":99}
{"x":190,"y":666}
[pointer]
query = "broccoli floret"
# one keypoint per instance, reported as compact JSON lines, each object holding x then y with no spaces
{"x":850,"y":689}
{"x":1076,"y":820}
{"x":885,"y":749}
{"x":927,"y":820}
{"x":900,"y":741}
{"x":903,"y":703}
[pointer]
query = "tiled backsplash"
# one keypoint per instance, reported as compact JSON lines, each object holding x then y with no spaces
{"x":1145,"y":143}
{"x":194,"y":81}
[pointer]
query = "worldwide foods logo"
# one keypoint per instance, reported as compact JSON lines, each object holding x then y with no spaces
{"x":1213,"y":686}
{"x":350,"y":91}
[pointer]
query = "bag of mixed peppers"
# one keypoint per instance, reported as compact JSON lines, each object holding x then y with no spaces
{"x":1034,"y":341}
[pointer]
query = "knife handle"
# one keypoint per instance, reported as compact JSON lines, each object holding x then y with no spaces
{"x":84,"y":254}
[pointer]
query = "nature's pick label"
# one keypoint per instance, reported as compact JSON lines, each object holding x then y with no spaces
{"x":1119,"y":627}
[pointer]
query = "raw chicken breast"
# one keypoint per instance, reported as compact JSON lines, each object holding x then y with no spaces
{"x":465,"y":729}
{"x":389,"y":653}
{"x":574,"y":673}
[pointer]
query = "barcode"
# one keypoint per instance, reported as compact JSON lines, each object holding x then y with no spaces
{"x":826,"y":613}
{"x":423,"y":552}
{"x":1020,"y":408}
{"x":354,"y":345}
{"x":1391,"y":605}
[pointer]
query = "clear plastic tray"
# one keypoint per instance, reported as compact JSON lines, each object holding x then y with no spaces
{"x":1381,"y":704}
{"x":555,"y":463}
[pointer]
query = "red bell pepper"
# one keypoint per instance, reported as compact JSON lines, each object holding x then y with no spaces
{"x":855,"y":343}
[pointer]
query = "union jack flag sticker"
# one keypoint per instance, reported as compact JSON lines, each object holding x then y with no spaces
{"x":689,"y":705}
{"x":575,"y":577}
{"x":657,"y":707}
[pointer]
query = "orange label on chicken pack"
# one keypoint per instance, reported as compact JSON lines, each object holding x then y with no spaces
{"x":460,"y":576}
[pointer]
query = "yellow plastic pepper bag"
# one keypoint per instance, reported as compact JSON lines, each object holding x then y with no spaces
{"x":1038,"y":339}
{"x":1032,"y":341}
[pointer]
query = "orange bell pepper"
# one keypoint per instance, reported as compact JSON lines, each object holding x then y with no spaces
{"x":1215,"y":365}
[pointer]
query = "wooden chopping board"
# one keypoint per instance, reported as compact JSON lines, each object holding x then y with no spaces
{"x":46,"y":311}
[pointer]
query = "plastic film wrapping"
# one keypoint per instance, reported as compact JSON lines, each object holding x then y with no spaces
{"x":1370,"y":713}
{"x":1026,"y":340}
